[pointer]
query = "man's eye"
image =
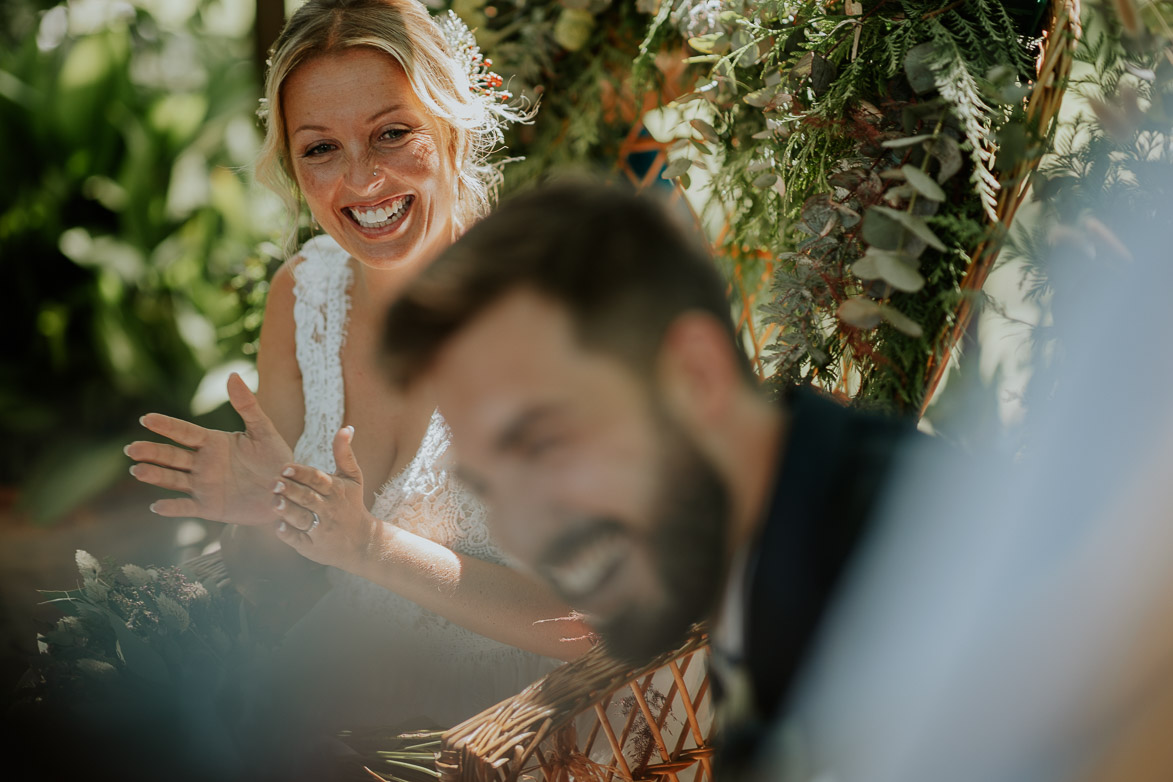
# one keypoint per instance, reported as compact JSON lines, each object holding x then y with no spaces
{"x":542,"y":446}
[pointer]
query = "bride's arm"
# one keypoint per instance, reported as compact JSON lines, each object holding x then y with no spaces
{"x":489,"y":599}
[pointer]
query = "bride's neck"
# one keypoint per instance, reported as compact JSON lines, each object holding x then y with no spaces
{"x":379,"y":287}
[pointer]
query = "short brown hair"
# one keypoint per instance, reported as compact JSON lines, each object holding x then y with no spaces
{"x":622,"y":267}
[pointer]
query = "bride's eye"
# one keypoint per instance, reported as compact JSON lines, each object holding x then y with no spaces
{"x":394,"y":134}
{"x":317,"y":149}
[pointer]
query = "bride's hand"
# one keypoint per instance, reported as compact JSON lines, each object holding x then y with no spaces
{"x":228,"y":476}
{"x":323,"y":516}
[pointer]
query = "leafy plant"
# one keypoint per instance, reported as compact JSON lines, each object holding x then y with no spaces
{"x":129,"y":233}
{"x":856,"y":159}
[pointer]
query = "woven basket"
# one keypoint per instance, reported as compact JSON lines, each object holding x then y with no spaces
{"x":594,"y":719}
{"x":1042,"y":112}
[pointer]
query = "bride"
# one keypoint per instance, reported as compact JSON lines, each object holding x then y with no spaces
{"x":379,"y":121}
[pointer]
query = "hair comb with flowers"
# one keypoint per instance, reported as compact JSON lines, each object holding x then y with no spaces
{"x":463,"y":45}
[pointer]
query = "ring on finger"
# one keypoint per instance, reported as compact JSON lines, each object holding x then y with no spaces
{"x":314,"y":525}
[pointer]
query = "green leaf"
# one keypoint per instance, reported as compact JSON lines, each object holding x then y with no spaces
{"x":923,"y":183}
{"x":898,"y":269}
{"x":914,"y":224}
{"x":907,"y":141}
{"x":948,"y":154}
{"x":861,"y":312}
{"x":899,"y":321}
{"x":676,"y":168}
{"x":765,"y":180}
{"x":706,"y":130}
{"x":712,"y":43}
{"x":918,"y":67}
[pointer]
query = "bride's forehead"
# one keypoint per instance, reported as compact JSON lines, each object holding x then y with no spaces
{"x":361,"y":82}
{"x":362,"y":66}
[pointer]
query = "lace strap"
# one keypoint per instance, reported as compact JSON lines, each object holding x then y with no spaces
{"x":320,"y":312}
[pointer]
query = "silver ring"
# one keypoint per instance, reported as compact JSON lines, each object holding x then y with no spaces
{"x":313,"y":526}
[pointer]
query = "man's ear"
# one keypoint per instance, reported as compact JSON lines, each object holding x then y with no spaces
{"x":697,"y":369}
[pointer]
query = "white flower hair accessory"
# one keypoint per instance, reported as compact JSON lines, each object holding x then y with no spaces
{"x":463,"y":46}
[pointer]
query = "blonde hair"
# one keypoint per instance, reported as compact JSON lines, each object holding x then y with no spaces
{"x":470,"y":122}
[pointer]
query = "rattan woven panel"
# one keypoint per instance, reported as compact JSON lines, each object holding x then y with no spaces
{"x":594,"y":719}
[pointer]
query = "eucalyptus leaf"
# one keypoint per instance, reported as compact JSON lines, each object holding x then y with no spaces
{"x":916,"y":225}
{"x":676,"y":168}
{"x":899,"y":321}
{"x":907,"y":141}
{"x":765,"y":180}
{"x":948,"y":154}
{"x":860,"y":312}
{"x":897,"y":269}
{"x":706,"y":130}
{"x":918,"y":67}
{"x":923,"y":183}
{"x":866,"y":268}
{"x":881,"y":231}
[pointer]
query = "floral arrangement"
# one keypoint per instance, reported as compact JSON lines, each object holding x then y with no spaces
{"x":858,"y":151}
{"x":146,"y":666}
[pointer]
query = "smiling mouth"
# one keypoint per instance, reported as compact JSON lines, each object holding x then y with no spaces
{"x":383,"y":216}
{"x":582,"y":573}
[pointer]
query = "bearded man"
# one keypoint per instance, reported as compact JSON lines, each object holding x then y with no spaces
{"x":581,"y":349}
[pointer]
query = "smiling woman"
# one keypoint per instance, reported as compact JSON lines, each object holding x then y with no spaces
{"x":379,"y":129}
{"x":369,"y":159}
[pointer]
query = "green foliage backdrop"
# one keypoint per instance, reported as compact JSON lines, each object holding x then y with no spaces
{"x":132,"y":247}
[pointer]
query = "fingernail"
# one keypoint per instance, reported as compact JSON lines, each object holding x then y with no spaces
{"x":281,"y":504}
{"x":287,"y":472}
{"x":142,"y":419}
{"x":152,"y":508}
{"x":281,"y":526}
{"x":126,"y":450}
{"x":350,"y":429}
{"x":131,"y":470}
{"x":280,"y":487}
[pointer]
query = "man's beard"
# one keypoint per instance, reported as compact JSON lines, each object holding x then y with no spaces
{"x":687,"y":545}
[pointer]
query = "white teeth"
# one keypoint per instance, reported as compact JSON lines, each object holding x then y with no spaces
{"x":585,"y":572}
{"x":378,"y":218}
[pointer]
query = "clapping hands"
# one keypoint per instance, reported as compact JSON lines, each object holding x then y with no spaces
{"x":323,"y":516}
{"x":228,"y":476}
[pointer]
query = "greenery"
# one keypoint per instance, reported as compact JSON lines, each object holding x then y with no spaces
{"x":852,"y":152}
{"x":573,"y":59}
{"x":145,"y":661}
{"x":135,"y":249}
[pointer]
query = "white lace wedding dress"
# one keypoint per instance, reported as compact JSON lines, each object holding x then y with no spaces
{"x":364,"y":655}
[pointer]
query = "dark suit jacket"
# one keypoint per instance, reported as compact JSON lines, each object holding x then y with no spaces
{"x":831,"y":474}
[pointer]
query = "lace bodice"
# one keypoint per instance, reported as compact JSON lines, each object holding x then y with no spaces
{"x":369,"y":655}
{"x":424,"y":498}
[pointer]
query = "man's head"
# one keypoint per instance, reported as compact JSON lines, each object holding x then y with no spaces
{"x":579,"y":345}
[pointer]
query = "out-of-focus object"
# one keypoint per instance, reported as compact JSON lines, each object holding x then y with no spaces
{"x":594,"y":719}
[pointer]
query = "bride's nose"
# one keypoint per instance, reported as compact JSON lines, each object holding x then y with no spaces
{"x":364,"y":173}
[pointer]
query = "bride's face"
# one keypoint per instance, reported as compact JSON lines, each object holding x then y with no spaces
{"x":369,"y":158}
